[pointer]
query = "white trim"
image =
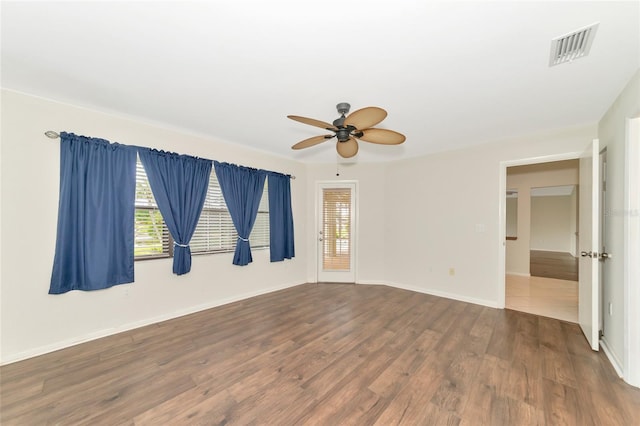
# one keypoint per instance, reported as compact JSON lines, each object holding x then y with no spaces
{"x":631,"y":351}
{"x":502,"y":208}
{"x":372,"y":282}
{"x":519,"y":274}
{"x":137,"y":324}
{"x":615,"y":362}
{"x":444,"y":294}
{"x":353,"y":184}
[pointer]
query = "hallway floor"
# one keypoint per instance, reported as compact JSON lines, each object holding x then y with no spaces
{"x":548,"y":297}
{"x":553,"y":264}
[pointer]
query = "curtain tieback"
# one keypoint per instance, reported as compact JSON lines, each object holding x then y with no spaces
{"x":243,"y":239}
{"x":180,"y":245}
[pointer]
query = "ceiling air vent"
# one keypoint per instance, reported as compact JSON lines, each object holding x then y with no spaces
{"x":572,"y":46}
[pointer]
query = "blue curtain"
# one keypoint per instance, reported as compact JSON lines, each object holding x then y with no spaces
{"x":179,"y":184}
{"x":280,"y":218}
{"x":94,"y":245}
{"x":242,"y":189}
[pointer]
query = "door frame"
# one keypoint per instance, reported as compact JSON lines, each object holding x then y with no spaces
{"x":632,"y":252}
{"x":354,"y":229}
{"x":502,"y":212}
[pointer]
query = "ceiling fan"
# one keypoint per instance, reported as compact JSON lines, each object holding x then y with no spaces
{"x":347,"y":129}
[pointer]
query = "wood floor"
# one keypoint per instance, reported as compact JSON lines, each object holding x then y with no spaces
{"x":327,"y":354}
{"x":553,"y":264}
{"x":548,"y":297}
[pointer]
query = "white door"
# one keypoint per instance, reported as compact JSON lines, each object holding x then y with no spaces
{"x":603,"y":240}
{"x":589,"y":233}
{"x":335,"y":232}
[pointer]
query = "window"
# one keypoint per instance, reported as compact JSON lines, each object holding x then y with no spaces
{"x":152,"y":238}
{"x":214,"y":233}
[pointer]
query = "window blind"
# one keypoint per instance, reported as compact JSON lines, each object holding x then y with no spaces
{"x":336,"y":229}
{"x":214,"y":232}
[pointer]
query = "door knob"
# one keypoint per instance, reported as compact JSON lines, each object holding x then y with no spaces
{"x":604,"y":256}
{"x":585,"y":254}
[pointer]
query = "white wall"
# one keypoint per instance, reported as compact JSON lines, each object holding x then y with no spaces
{"x":35,"y":322}
{"x":551,"y":223}
{"x":443,"y":210}
{"x":523,"y":178}
{"x":611,"y":132}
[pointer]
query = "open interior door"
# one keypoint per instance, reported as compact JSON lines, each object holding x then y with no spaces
{"x":589,"y":235}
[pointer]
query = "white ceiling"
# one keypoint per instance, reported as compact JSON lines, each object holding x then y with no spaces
{"x":450,"y":74}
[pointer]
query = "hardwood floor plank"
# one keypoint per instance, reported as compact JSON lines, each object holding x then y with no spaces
{"x":397,"y":374}
{"x":553,"y":264}
{"x":502,"y":340}
{"x":507,"y":411}
{"x":327,"y":354}
{"x":408,"y":405}
{"x":478,"y":409}
{"x":492,"y":373}
{"x":211,"y":411}
{"x":524,"y":384}
{"x":186,"y":403}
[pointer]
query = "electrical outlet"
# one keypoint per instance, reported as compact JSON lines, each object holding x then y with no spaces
{"x":452,"y":271}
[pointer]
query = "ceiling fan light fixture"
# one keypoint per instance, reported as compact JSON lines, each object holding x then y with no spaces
{"x":347,"y":129}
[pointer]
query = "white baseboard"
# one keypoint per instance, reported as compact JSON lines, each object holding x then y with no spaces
{"x":137,"y":324}
{"x":518,"y":274}
{"x":444,"y":294}
{"x":550,"y":251}
{"x":615,"y":362}
{"x":372,"y":282}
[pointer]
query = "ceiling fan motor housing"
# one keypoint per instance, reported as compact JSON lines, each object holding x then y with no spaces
{"x":343,"y":108}
{"x":343,"y":134}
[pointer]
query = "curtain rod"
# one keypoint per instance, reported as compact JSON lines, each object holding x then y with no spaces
{"x":54,"y":135}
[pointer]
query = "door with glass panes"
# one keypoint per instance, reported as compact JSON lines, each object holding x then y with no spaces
{"x":336,"y":232}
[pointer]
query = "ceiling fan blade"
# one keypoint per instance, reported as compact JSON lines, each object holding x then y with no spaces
{"x":382,"y":136}
{"x":312,"y":122}
{"x":312,"y":141}
{"x":365,"y":117}
{"x":347,"y":149}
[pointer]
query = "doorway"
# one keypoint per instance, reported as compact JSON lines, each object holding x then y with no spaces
{"x":540,"y":248}
{"x":337,"y":204}
{"x":589,"y":235}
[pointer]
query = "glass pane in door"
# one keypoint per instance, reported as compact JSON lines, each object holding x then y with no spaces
{"x":336,"y":229}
